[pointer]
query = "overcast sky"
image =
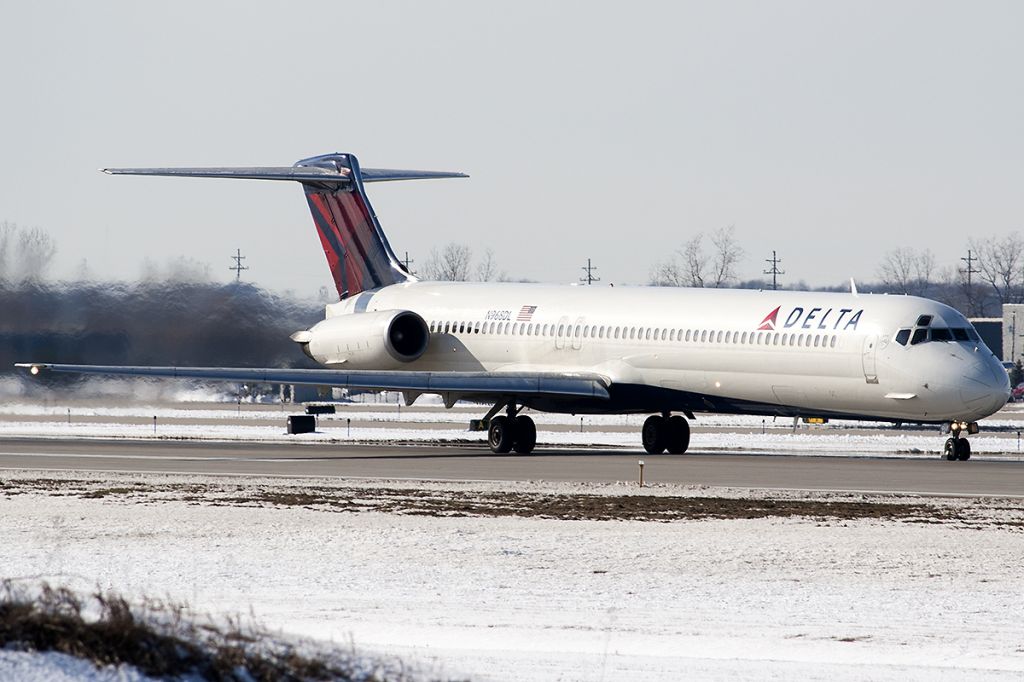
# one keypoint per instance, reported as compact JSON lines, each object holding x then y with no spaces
{"x":831,"y":132}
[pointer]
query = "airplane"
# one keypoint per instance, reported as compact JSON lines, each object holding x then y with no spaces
{"x":667,"y":352}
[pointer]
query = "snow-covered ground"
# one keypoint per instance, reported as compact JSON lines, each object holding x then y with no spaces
{"x":51,"y":666}
{"x":544,"y":599}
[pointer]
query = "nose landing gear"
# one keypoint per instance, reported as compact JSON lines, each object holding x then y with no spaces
{"x":957,"y":447}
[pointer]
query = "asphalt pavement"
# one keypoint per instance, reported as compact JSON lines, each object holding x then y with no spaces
{"x":916,"y":475}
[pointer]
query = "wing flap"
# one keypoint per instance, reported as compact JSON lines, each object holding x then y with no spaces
{"x":465,"y":383}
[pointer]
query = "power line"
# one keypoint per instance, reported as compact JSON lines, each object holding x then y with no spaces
{"x":238,"y":267}
{"x":589,"y":269}
{"x":407,"y":262}
{"x":774,"y":271}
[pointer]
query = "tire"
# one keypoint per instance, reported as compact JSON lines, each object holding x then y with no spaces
{"x":949,"y":449}
{"x":526,"y":435}
{"x":963,"y":451}
{"x":500,"y":435}
{"x":654,"y":435}
{"x":678,"y":436}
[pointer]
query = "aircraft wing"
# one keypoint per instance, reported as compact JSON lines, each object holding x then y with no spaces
{"x":548,"y":384}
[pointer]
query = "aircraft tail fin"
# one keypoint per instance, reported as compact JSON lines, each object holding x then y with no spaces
{"x":357,"y":250}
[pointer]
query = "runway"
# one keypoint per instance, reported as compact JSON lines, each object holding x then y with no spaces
{"x":930,"y":476}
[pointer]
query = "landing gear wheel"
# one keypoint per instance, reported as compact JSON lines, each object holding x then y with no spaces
{"x":500,"y":435}
{"x":963,"y":449}
{"x":949,"y":449}
{"x":678,"y":436}
{"x":526,"y":435}
{"x":654,"y":435}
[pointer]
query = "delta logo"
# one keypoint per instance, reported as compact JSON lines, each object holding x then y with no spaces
{"x":813,"y":318}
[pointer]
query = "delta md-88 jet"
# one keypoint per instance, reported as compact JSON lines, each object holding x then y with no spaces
{"x":667,"y":352}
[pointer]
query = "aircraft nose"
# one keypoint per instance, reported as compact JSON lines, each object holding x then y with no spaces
{"x":985,"y":387}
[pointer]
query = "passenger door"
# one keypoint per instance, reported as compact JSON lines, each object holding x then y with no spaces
{"x":577,"y":334}
{"x":561,"y":333}
{"x":868,"y":358}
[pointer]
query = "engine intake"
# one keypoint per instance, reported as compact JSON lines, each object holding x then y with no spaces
{"x":407,"y":336}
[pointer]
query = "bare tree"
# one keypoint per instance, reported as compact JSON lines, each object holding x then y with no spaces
{"x":184,"y":269}
{"x":450,"y":264}
{"x":970,"y":299}
{"x":487,"y":268}
{"x":179,"y":270}
{"x":668,"y":274}
{"x":1000,"y":261}
{"x":727,"y":254}
{"x":906,"y":271}
{"x":7,"y":233}
{"x":83,"y":272}
{"x":690,"y":266}
{"x":694,"y":261}
{"x":33,"y":254}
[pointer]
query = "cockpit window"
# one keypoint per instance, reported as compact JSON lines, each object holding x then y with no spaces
{"x":924,"y":321}
{"x":923,"y":334}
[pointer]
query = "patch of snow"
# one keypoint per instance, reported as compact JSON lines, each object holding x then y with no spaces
{"x":51,"y":666}
{"x":541,"y":599}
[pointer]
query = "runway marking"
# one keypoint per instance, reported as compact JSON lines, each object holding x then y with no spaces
{"x":165,"y":458}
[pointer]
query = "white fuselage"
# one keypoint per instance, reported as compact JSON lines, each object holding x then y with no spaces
{"x":714,"y":350}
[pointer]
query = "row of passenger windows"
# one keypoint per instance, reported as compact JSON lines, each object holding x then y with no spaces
{"x":760,"y":338}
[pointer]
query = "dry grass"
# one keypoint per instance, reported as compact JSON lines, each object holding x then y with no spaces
{"x":163,"y":640}
{"x":454,"y":502}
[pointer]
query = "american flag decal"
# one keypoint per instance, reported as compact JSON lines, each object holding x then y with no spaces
{"x":526,"y":313}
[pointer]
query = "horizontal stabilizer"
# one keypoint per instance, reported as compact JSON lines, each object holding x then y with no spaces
{"x":311,"y":174}
{"x":387,"y":175}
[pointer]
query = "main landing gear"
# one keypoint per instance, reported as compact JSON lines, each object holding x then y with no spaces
{"x":666,"y":433}
{"x":956,"y":446}
{"x":511,"y":431}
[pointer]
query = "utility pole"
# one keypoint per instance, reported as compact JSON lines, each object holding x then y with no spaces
{"x":238,"y":267}
{"x":589,"y":269}
{"x":407,"y":262}
{"x":774,"y":271}
{"x":970,"y":269}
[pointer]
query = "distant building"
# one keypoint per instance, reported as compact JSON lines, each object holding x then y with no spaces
{"x":1013,"y":331}
{"x":991,"y":331}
